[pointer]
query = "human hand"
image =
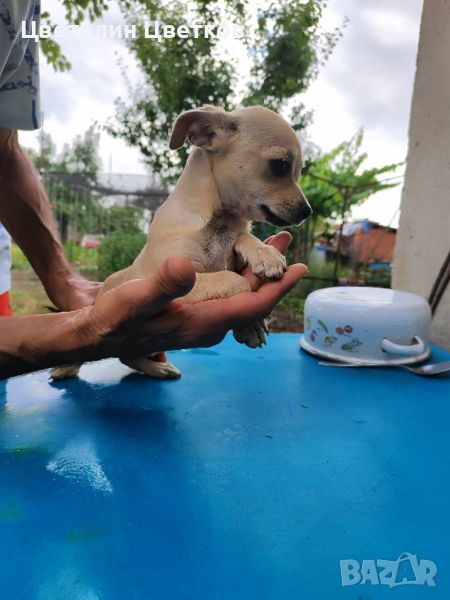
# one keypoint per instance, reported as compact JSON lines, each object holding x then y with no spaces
{"x":144,"y":316}
{"x":72,"y":291}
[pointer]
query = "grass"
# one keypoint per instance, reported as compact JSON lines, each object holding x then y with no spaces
{"x":84,"y":259}
{"x":19,"y":260}
{"x":27,"y":294}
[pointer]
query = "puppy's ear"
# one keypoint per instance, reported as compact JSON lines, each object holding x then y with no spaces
{"x":208,"y":127}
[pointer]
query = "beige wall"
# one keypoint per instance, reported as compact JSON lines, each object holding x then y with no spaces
{"x":423,"y":239}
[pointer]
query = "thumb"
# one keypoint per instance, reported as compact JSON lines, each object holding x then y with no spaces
{"x":151,"y":295}
{"x":173,"y":279}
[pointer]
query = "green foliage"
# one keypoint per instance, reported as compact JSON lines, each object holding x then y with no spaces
{"x":81,"y":156}
{"x":80,"y":209}
{"x":377,"y":278}
{"x":125,"y":219}
{"x":82,"y":258}
{"x":293,"y":301}
{"x":18,"y":259}
{"x":285,"y":46}
{"x":288,"y":51}
{"x":85,"y":213}
{"x":339,"y":174}
{"x":44,"y":160}
{"x":118,"y":252}
{"x":76,"y":12}
{"x":337,"y":181}
{"x":315,"y":280}
{"x":53,"y":55}
{"x":320,"y":276}
{"x":178,"y":74}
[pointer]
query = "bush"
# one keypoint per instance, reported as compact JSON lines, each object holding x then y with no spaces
{"x":19,"y":260}
{"x":118,"y":251}
{"x":296,"y":297}
{"x":83,"y":258}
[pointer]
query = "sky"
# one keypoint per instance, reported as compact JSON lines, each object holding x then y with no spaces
{"x":367,"y":83}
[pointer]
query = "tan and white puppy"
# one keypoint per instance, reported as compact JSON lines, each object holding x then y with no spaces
{"x":244,"y":167}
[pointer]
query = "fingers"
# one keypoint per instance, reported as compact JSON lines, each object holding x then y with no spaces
{"x":250,"y":306}
{"x":257,"y":305}
{"x":281,"y":241}
{"x":173,"y":279}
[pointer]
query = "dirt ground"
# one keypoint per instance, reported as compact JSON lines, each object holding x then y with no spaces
{"x":285,"y":319}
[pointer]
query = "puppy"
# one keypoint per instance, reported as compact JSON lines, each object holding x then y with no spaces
{"x":244,"y":167}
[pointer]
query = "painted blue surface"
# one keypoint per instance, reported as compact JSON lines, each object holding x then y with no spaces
{"x":251,"y":477}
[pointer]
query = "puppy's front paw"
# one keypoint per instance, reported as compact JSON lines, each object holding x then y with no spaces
{"x":252,"y":335}
{"x":267,"y":262}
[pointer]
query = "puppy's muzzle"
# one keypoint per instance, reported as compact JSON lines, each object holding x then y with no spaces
{"x":295,"y":215}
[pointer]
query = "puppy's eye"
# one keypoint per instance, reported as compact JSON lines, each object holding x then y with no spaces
{"x":279,"y":167}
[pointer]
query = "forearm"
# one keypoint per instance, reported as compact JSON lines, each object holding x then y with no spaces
{"x":30,"y":343}
{"x":26,"y":212}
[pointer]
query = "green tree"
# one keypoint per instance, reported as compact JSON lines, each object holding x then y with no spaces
{"x":73,"y":202}
{"x":285,"y":46}
{"x":76,"y":208}
{"x":288,"y":50}
{"x":82,"y":155}
{"x":44,"y":159}
{"x":76,"y":12}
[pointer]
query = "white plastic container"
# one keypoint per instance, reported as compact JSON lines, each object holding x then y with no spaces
{"x":365,"y":324}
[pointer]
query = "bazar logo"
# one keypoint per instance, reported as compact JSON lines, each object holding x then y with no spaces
{"x":406,"y":570}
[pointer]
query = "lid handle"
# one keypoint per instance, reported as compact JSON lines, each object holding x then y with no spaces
{"x":416,"y":347}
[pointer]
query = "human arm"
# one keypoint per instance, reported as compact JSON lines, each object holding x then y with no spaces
{"x":135,"y":319}
{"x":26,"y":213}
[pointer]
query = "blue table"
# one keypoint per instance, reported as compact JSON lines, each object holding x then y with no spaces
{"x":251,"y":477}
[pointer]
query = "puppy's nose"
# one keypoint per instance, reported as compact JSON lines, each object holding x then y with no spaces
{"x":303,"y":212}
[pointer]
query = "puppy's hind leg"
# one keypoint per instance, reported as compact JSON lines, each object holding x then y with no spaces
{"x":151,"y":366}
{"x":223,"y":284}
{"x":65,"y":372}
{"x":252,"y":335}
